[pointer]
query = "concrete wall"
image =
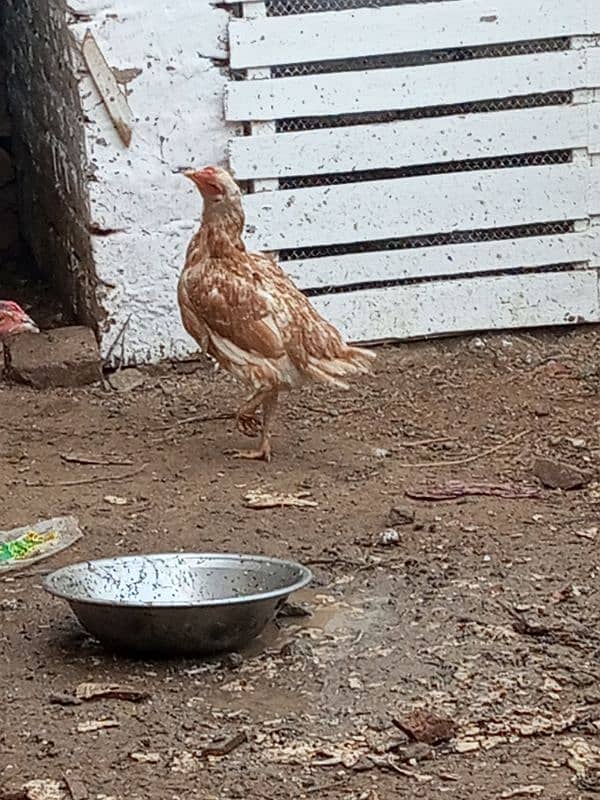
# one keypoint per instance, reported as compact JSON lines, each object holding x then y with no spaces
{"x":172,"y":58}
{"x":112,"y":222}
{"x":9,"y":233}
{"x":49,"y":148}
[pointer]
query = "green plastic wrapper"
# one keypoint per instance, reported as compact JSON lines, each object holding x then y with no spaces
{"x":21,"y":547}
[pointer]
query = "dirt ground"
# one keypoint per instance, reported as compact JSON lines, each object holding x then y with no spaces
{"x":483,"y":611}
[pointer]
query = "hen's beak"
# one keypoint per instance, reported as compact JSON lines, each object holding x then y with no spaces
{"x":27,"y":325}
{"x":197,"y":176}
{"x":204,"y":180}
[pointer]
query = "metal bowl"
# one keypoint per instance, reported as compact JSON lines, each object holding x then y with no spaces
{"x":177,"y":603}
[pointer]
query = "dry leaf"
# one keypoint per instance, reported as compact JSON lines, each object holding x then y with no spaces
{"x":96,"y":725}
{"x":145,"y":758}
{"x":44,"y":790}
{"x":425,"y":726}
{"x":115,"y":691}
{"x":257,"y":498}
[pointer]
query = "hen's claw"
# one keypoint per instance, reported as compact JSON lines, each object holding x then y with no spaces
{"x":248,"y":424}
{"x":264,"y":454}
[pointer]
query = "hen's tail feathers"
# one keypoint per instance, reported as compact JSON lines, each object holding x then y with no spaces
{"x":353,"y":361}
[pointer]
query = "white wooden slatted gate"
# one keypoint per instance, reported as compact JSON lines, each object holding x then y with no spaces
{"x":424,"y":167}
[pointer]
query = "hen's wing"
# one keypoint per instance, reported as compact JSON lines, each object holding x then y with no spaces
{"x":233,"y":305}
{"x":258,"y":320}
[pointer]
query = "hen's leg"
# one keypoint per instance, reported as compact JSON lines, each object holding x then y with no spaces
{"x":269,"y":405}
{"x":245,"y":420}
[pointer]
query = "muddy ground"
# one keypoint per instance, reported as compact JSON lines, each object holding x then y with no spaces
{"x":485,"y":611}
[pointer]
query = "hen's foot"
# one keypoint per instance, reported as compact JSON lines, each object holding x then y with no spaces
{"x":263,"y":454}
{"x":248,"y":424}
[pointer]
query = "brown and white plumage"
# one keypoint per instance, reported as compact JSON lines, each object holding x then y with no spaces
{"x":245,"y":312}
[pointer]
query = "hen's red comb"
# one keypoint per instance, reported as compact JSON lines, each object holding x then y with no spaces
{"x":10,"y":305}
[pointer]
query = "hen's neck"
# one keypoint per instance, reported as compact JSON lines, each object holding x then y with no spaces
{"x":221,"y":229}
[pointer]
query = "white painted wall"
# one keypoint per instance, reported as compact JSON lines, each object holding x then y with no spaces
{"x":185,"y":112}
{"x":177,"y":105}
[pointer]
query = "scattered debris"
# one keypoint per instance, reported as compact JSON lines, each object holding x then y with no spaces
{"x":588,"y":533}
{"x":424,"y":442}
{"x":466,"y":745}
{"x":95,"y":691}
{"x":533,"y":790}
{"x":21,"y":547}
{"x":453,"y":489}
{"x":145,"y":758}
{"x":400,"y":515}
{"x":93,"y":725}
{"x":44,"y":790}
{"x":115,"y":500}
{"x":77,"y":788}
{"x":381,"y":452}
{"x":257,"y":498}
{"x":63,"y":699}
{"x":467,"y":459}
{"x":584,"y":760}
{"x":425,"y":726}
{"x":553,"y":634}
{"x":92,"y":479}
{"x":220,"y":750}
{"x":558,"y":475}
{"x":73,"y":458}
{"x":413,"y":751}
{"x":388,"y":537}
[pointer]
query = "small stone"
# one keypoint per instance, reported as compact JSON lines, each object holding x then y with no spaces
{"x":126,"y":380}
{"x":66,"y":357}
{"x":541,"y":410}
{"x":388,"y":537}
{"x":288,"y":609}
{"x":298,"y":648}
{"x":558,"y":475}
{"x":400,"y":515}
{"x":233,"y":661}
{"x":381,"y":452}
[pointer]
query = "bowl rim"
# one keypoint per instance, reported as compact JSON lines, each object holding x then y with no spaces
{"x":305,"y":578}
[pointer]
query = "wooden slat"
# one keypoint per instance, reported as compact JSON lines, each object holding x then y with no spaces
{"x":433,"y":140}
{"x":412,"y":87}
{"x":470,"y":304}
{"x":437,"y":261}
{"x":362,"y":32}
{"x":422,"y":205}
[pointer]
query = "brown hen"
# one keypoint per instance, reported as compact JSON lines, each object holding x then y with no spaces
{"x":245,"y":312}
